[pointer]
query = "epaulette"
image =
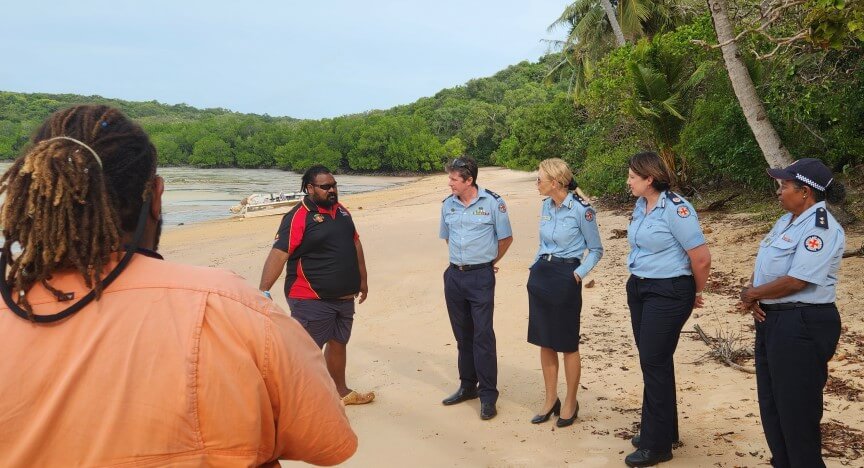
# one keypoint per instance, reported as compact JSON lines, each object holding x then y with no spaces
{"x":822,"y":218}
{"x":676,"y":199}
{"x":445,"y":198}
{"x":581,"y":200}
{"x":494,"y":195}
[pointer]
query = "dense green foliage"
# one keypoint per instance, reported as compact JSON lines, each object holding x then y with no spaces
{"x":592,"y":103}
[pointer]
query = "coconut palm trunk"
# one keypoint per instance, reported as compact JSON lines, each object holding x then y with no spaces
{"x":613,"y":21}
{"x":766,"y":136}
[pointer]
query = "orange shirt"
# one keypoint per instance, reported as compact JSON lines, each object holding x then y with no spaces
{"x":174,"y":365}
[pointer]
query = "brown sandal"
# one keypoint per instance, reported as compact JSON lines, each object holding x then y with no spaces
{"x":355,"y":398}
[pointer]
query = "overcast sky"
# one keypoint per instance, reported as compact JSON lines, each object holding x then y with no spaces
{"x":287,"y":58}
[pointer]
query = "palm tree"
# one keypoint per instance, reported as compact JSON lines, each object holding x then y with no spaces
{"x":661,"y":85}
{"x":593,"y":30}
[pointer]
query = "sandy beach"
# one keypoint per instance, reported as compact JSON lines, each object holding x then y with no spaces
{"x":403,"y":349}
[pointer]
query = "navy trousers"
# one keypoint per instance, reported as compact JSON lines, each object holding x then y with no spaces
{"x":658,"y":310}
{"x":792,"y":351}
{"x":470,"y":303}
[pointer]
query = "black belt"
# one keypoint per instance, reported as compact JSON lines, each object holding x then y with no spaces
{"x":554,"y":259}
{"x":471,"y":267}
{"x":790,"y":306}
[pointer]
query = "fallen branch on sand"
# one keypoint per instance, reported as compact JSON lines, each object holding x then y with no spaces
{"x":855,"y":253}
{"x":714,"y":206}
{"x":725,"y":348}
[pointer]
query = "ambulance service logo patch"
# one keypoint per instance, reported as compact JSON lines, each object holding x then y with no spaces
{"x":813,"y":243}
{"x":502,"y":207}
{"x":589,"y":215}
{"x":683,"y":211}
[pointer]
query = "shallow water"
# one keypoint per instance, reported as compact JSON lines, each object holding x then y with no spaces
{"x":194,"y":195}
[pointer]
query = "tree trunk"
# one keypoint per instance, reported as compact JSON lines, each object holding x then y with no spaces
{"x":616,"y":28}
{"x":754,"y":111}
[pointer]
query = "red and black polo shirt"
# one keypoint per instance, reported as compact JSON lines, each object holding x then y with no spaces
{"x":322,"y":257}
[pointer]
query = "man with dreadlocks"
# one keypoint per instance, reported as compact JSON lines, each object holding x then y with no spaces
{"x":325,"y":271}
{"x":111,"y":355}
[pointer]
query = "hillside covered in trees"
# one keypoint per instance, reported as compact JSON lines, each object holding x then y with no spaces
{"x":637,"y":75}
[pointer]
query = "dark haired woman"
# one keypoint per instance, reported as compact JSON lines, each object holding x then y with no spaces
{"x":569,"y":248}
{"x":792,"y":301}
{"x":669,"y":263}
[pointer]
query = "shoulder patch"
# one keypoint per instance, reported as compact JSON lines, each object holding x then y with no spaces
{"x":813,"y":243}
{"x":676,"y":199}
{"x":589,"y":215}
{"x":581,"y":200}
{"x":494,"y":195}
{"x":821,"y":218}
{"x":683,"y":211}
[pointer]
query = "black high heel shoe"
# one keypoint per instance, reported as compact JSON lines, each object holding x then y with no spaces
{"x":564,"y":422}
{"x":541,"y":418}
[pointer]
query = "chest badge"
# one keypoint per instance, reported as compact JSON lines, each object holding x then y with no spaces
{"x":481,"y":212}
{"x":683,"y":211}
{"x":813,"y":243}
{"x":318,"y":218}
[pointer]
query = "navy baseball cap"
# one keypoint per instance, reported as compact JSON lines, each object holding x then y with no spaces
{"x":810,"y":171}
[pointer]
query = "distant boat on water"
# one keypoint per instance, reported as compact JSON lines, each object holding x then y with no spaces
{"x":266,"y":204}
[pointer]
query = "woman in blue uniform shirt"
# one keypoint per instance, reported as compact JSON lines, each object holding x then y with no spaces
{"x":669,"y":263}
{"x":568,"y":228}
{"x":792,"y":301}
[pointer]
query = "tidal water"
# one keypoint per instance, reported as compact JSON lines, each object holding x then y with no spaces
{"x":193,"y":195}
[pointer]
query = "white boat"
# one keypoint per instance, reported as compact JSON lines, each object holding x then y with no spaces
{"x":266,"y":204}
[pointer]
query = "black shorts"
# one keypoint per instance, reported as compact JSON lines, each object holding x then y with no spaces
{"x":324,"y":319}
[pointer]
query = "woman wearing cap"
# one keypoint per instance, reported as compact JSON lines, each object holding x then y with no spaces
{"x":568,"y":227}
{"x":791,"y":298}
{"x":669,"y":263}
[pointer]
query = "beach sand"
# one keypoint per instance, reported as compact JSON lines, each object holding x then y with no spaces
{"x":403,"y":349}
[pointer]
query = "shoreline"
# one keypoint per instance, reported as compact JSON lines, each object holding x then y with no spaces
{"x":403,"y":349}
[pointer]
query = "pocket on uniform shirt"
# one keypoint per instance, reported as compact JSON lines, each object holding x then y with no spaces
{"x":781,"y":252}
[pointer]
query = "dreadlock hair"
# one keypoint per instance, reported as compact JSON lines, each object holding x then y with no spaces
{"x":310,"y":175}
{"x":63,"y":209}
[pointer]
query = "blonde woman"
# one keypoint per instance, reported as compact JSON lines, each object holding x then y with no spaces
{"x":568,"y":229}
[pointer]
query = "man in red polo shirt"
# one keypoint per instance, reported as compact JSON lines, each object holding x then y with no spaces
{"x":325,"y":270}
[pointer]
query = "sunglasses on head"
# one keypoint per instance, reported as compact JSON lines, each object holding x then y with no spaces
{"x":325,"y":187}
{"x":459,"y":163}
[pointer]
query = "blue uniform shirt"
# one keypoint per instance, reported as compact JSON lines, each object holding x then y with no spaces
{"x":472,"y":232}
{"x":659,"y":240}
{"x":566,"y":231}
{"x":809,"y":248}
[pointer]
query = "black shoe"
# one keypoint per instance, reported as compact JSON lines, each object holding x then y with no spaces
{"x":638,"y":437}
{"x":487,"y":411}
{"x":645,"y":457}
{"x":564,"y":422}
{"x":541,"y":418}
{"x":463,"y":394}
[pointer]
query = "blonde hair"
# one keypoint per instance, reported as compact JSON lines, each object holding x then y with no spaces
{"x":558,"y":170}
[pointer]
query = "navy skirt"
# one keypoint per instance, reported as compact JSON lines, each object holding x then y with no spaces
{"x":554,"y":306}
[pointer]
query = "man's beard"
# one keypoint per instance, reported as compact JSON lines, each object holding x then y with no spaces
{"x":328,"y":201}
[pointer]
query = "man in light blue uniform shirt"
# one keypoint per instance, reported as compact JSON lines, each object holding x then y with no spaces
{"x":559,"y":226}
{"x":475,"y":224}
{"x":797,"y":322}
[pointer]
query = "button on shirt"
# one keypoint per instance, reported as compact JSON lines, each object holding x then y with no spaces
{"x":809,"y":248}
{"x":659,"y":240}
{"x":567,"y":230}
{"x":472,"y":232}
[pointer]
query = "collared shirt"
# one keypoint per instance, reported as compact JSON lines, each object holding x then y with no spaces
{"x":472,"y":232}
{"x":809,"y":248}
{"x":659,"y":240}
{"x":322,"y":253}
{"x":174,"y":365}
{"x":567,"y":230}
